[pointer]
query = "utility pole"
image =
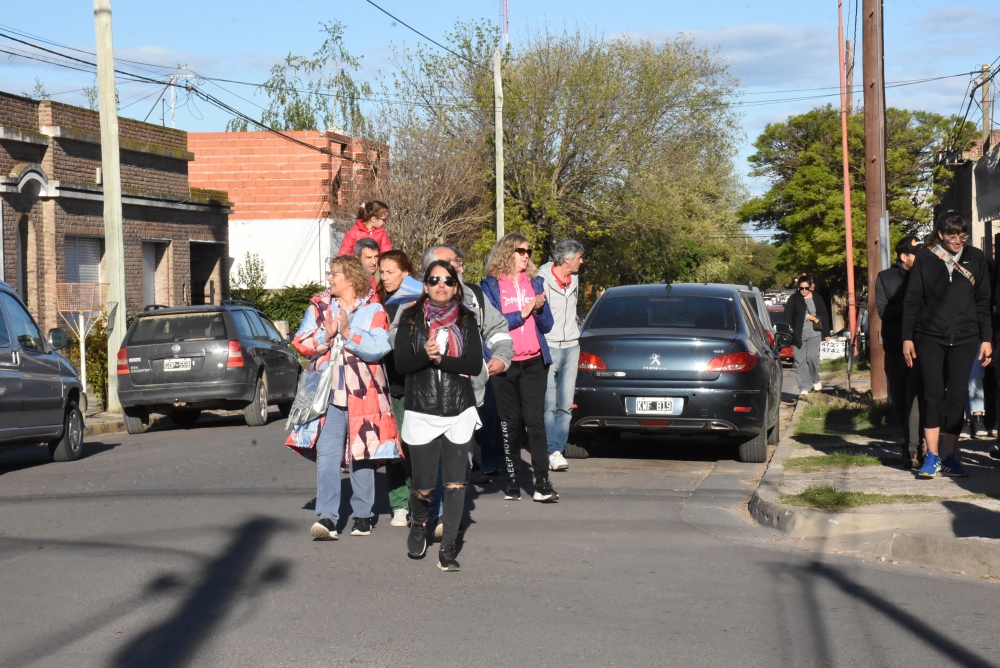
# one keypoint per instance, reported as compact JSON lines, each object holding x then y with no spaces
{"x":987,"y":111}
{"x":114,"y":243}
{"x":849,"y":66}
{"x":174,"y":78}
{"x":876,"y":210}
{"x":848,"y":221}
{"x":498,"y":137}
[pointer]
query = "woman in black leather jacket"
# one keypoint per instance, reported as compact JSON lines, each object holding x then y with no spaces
{"x":439,"y":349}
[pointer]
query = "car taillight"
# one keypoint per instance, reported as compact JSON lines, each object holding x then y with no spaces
{"x":733,"y":362}
{"x":591,"y":362}
{"x":235,"y":355}
{"x":122,"y":362}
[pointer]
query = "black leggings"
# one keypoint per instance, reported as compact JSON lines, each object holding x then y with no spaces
{"x":946,"y":382}
{"x":455,"y":460}
{"x":520,"y":393}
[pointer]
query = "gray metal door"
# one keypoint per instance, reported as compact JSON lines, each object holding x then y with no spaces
{"x":41,"y":380}
{"x":10,"y":383}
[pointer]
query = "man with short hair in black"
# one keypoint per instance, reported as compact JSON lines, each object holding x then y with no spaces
{"x":890,"y":289}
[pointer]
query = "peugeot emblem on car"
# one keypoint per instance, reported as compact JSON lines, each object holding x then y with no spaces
{"x":654,"y":359}
{"x":175,"y":348}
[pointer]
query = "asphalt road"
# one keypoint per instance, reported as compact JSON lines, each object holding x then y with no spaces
{"x":191,"y":547}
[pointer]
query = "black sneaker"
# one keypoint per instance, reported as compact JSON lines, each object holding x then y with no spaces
{"x":324,"y":529}
{"x":513,"y":491}
{"x":966,"y":431}
{"x":480,"y":478}
{"x":544,"y":492}
{"x":979,"y":427}
{"x":362,"y":526}
{"x":995,"y":452}
{"x":446,"y":559}
{"x":416,"y":542}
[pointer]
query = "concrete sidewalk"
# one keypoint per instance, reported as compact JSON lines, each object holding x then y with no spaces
{"x":957,"y":529}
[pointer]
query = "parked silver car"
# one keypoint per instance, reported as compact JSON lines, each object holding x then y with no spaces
{"x":41,"y":397}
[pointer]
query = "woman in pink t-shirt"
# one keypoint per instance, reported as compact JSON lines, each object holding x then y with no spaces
{"x":515,"y":291}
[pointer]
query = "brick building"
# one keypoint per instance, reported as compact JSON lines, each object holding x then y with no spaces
{"x":975,"y":188}
{"x":291,"y":203}
{"x":52,"y":210}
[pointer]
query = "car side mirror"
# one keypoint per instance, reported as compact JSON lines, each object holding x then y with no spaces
{"x":782,"y":328}
{"x":783,"y":340}
{"x":57,"y":339}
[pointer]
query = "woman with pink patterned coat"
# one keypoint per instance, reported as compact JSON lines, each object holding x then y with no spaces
{"x":346,"y":328}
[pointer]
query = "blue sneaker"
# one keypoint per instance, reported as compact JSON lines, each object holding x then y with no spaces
{"x":931,"y":467}
{"x":951,"y":467}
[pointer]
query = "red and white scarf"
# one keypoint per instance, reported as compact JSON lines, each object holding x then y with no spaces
{"x":445,"y":317}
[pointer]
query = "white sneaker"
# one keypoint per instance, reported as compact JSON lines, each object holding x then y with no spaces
{"x":399,"y":518}
{"x":804,"y":393}
{"x":557,"y":462}
{"x":817,"y":387}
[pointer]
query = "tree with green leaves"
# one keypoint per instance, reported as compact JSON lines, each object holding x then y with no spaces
{"x":249,"y":281}
{"x":801,"y":157}
{"x":315,"y":93}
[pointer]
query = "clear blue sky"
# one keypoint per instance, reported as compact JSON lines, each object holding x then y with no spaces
{"x":773,"y":46}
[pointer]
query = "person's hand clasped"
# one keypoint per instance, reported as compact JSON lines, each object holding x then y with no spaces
{"x":910,"y":352}
{"x":494,"y":366}
{"x":433,"y":351}
{"x":343,"y":327}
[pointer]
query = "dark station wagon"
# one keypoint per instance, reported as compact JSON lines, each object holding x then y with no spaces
{"x":679,"y":360}
{"x":183,"y":360}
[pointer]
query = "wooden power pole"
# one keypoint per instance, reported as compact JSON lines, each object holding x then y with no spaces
{"x":111,"y":180}
{"x":849,"y":67}
{"x":876,"y":209}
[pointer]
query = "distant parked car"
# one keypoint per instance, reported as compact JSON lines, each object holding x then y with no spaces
{"x":678,"y":360}
{"x":183,"y":360}
{"x":777,"y":312}
{"x":41,"y":397}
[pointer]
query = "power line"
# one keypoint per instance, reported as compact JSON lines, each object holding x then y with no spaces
{"x":439,"y":44}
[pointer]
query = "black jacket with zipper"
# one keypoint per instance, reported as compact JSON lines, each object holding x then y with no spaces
{"x":948,"y":309}
{"x":795,"y":316}
{"x":443,"y":389}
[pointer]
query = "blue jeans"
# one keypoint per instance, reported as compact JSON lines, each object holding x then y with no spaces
{"x":329,"y":455}
{"x":559,"y":391}
{"x":977,"y":400}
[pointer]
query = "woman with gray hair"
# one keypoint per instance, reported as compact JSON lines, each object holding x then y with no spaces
{"x":562,"y":287}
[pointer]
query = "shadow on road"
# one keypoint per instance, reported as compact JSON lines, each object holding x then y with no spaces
{"x":20,"y":457}
{"x":935,"y":641}
{"x":176,"y":640}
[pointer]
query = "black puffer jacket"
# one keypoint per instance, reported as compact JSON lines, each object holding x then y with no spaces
{"x":443,"y":389}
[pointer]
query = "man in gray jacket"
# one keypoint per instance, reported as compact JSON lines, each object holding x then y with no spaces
{"x":562,"y":289}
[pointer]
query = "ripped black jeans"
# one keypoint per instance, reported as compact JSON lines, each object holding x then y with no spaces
{"x":424,"y":462}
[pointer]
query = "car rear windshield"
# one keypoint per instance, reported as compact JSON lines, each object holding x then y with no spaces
{"x":680,"y":311}
{"x":177,"y":327}
{"x":777,"y":317}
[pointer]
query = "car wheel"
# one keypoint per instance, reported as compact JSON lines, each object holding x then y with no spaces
{"x":754,"y":450}
{"x":69,"y":446}
{"x":185,"y":417}
{"x":256,"y":412}
{"x":774,"y":433}
{"x":136,"y":420}
{"x":579,"y":448}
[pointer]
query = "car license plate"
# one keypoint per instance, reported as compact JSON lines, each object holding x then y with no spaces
{"x":178,"y":364}
{"x":656,"y":405}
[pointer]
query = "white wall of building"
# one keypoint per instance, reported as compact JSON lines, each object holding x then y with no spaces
{"x":294,"y":251}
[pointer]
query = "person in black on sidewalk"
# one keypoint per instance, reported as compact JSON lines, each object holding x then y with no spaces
{"x":890,"y":289}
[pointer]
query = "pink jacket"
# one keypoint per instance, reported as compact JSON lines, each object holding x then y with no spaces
{"x":360,"y":231}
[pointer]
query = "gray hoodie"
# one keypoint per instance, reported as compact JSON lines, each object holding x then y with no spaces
{"x":565,"y":331}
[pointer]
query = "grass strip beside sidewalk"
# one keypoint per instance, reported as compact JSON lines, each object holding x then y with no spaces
{"x":825,"y":497}
{"x":830,"y":461}
{"x":859,"y":414}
